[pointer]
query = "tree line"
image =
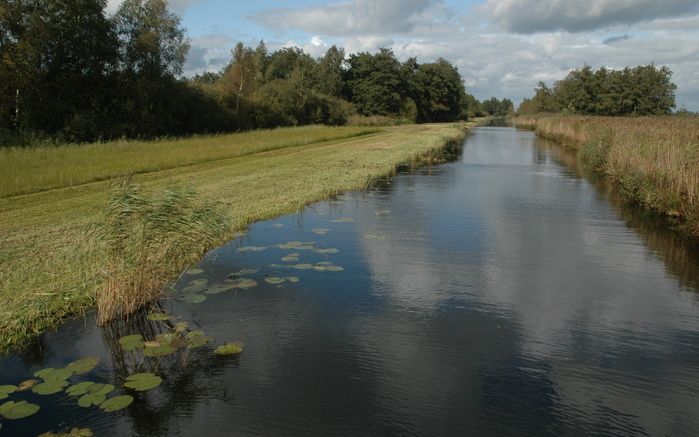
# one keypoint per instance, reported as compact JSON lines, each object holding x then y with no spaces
{"x":70,"y":72}
{"x":637,"y":91}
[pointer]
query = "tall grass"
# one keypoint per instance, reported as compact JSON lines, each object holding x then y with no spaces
{"x":148,"y":240}
{"x":655,"y":160}
{"x":31,"y":169}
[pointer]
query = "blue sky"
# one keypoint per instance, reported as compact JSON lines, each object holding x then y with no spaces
{"x":501,"y":47}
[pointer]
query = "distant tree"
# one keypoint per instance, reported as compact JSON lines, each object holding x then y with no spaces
{"x":439,"y":92}
{"x":330,"y":72}
{"x":374,"y":83}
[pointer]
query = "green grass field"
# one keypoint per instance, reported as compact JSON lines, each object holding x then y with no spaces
{"x":50,"y":267}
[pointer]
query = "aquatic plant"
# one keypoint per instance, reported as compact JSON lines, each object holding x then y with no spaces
{"x":83,"y":365}
{"x":143,"y":381}
{"x":229,"y":349}
{"x":18,"y":410}
{"x":73,"y":432}
{"x":95,"y":395}
{"x":148,"y":239}
{"x":7,"y":390}
{"x":131,"y":342}
{"x":116,"y":403}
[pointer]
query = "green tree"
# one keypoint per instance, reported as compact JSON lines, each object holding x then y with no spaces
{"x":374,"y":83}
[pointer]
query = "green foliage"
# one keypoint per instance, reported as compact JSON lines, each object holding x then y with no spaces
{"x":638,"y":91}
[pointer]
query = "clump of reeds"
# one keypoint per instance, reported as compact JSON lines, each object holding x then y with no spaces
{"x":148,"y":239}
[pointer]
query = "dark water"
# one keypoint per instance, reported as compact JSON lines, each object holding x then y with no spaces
{"x":499,"y":294}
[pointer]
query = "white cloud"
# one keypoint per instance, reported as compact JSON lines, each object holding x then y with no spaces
{"x":176,"y":6}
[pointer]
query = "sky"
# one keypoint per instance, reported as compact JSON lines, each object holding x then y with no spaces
{"x":502,"y":48}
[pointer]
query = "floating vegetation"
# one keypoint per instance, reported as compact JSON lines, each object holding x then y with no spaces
{"x":278,"y":225}
{"x":297,"y":245}
{"x":26,"y":385}
{"x":292,"y":279}
{"x":18,"y":410}
{"x":251,"y":249}
{"x":80,"y":388}
{"x":194,"y":298}
{"x":158,"y":317}
{"x":83,"y":365}
{"x":131,"y":342}
{"x":7,"y":390}
{"x":180,"y":327}
{"x":376,"y":237}
{"x":143,"y":381}
{"x":194,"y":271}
{"x":274,"y":280}
{"x":243,"y":283}
{"x":229,"y":349}
{"x":382,"y":212}
{"x":243,"y":272}
{"x":195,"y":286}
{"x":327,"y":266}
{"x":197,"y":339}
{"x":155,"y":350}
{"x":55,"y":380}
{"x":343,"y":220}
{"x":327,"y":251}
{"x":116,"y":403}
{"x":290,"y":258}
{"x":74,"y":432}
{"x":320,"y":231}
{"x":305,"y":247}
{"x":96,"y":394}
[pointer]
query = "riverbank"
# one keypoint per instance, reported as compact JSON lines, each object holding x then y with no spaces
{"x":654,"y":160}
{"x":50,"y":267}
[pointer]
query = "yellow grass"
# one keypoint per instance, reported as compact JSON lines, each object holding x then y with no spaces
{"x":50,"y":269}
{"x":654,"y":159}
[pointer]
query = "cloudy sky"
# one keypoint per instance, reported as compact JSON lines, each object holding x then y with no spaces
{"x":501,"y":47}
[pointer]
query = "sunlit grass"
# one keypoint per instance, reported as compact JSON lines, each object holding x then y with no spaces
{"x":50,"y":268}
{"x":654,"y":159}
{"x":31,"y":169}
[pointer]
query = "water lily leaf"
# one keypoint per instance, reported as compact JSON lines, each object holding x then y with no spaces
{"x":290,"y":245}
{"x":194,"y":271}
{"x":251,"y":249}
{"x":26,"y":385}
{"x":194,"y":298}
{"x":290,"y":258}
{"x":376,"y":237}
{"x":327,"y":251}
{"x":51,"y":374}
{"x":6,"y":390}
{"x":293,"y":279}
{"x":343,"y":220}
{"x":200,"y":281}
{"x":244,"y":283}
{"x":320,"y":231}
{"x":143,"y":381}
{"x":74,"y":432}
{"x":131,"y":342}
{"x":197,"y":339}
{"x":158,"y":317}
{"x":159,"y":351}
{"x":334,"y":269}
{"x":49,"y":388}
{"x":194,"y":288}
{"x":278,"y":225}
{"x":83,"y":365}
{"x":324,"y":263}
{"x":305,"y":247}
{"x":116,"y":403}
{"x":90,"y":399}
{"x":80,"y":388}
{"x":18,"y":410}
{"x":274,"y":280}
{"x":281,"y":266}
{"x":229,"y":349}
{"x":243,"y":272}
{"x":303,"y":266}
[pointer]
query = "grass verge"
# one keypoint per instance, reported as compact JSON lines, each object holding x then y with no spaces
{"x":50,"y":268}
{"x":655,"y":160}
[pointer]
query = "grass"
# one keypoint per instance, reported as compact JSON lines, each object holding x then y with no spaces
{"x":655,"y":160}
{"x":50,"y":268}
{"x":31,"y":169}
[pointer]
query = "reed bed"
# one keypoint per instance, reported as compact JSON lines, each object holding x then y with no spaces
{"x":655,"y":160}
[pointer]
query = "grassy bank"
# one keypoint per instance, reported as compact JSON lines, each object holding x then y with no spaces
{"x":50,"y":267}
{"x":655,"y":160}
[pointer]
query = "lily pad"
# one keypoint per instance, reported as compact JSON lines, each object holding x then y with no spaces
{"x":274,"y":280}
{"x":116,"y":403}
{"x":243,"y":272}
{"x":131,"y":342}
{"x":376,"y":237}
{"x":305,"y":247}
{"x":194,"y":271}
{"x":18,"y":410}
{"x":320,"y":231}
{"x":334,"y":269}
{"x":83,"y":365}
{"x":49,"y":388}
{"x":96,"y":394}
{"x":343,"y":220}
{"x":158,"y":317}
{"x":162,"y":350}
{"x":293,"y":279}
{"x":327,"y":251}
{"x":26,"y":385}
{"x":229,"y":349}
{"x":290,"y":258}
{"x":194,"y":288}
{"x":197,"y":339}
{"x":278,"y":225}
{"x":80,"y":388}
{"x":251,"y":249}
{"x":243,"y":283}
{"x":74,"y":432}
{"x":6,"y":390}
{"x":303,"y":266}
{"x":290,"y":245}
{"x":143,"y":381}
{"x":51,"y":374}
{"x":194,"y":298}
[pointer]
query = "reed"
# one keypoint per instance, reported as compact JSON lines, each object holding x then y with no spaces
{"x":655,"y":160}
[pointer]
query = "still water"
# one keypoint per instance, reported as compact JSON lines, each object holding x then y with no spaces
{"x":502,"y":293}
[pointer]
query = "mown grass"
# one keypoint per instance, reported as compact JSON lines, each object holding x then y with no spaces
{"x":655,"y":160}
{"x":32,"y":169}
{"x":50,"y":268}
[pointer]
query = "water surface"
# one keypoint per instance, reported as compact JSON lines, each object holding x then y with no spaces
{"x":502,"y":293}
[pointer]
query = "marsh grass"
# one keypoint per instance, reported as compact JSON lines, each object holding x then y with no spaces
{"x":32,"y":169}
{"x":148,"y":239}
{"x":655,"y":160}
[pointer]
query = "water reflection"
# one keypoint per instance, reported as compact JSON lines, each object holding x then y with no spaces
{"x":499,"y":294}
